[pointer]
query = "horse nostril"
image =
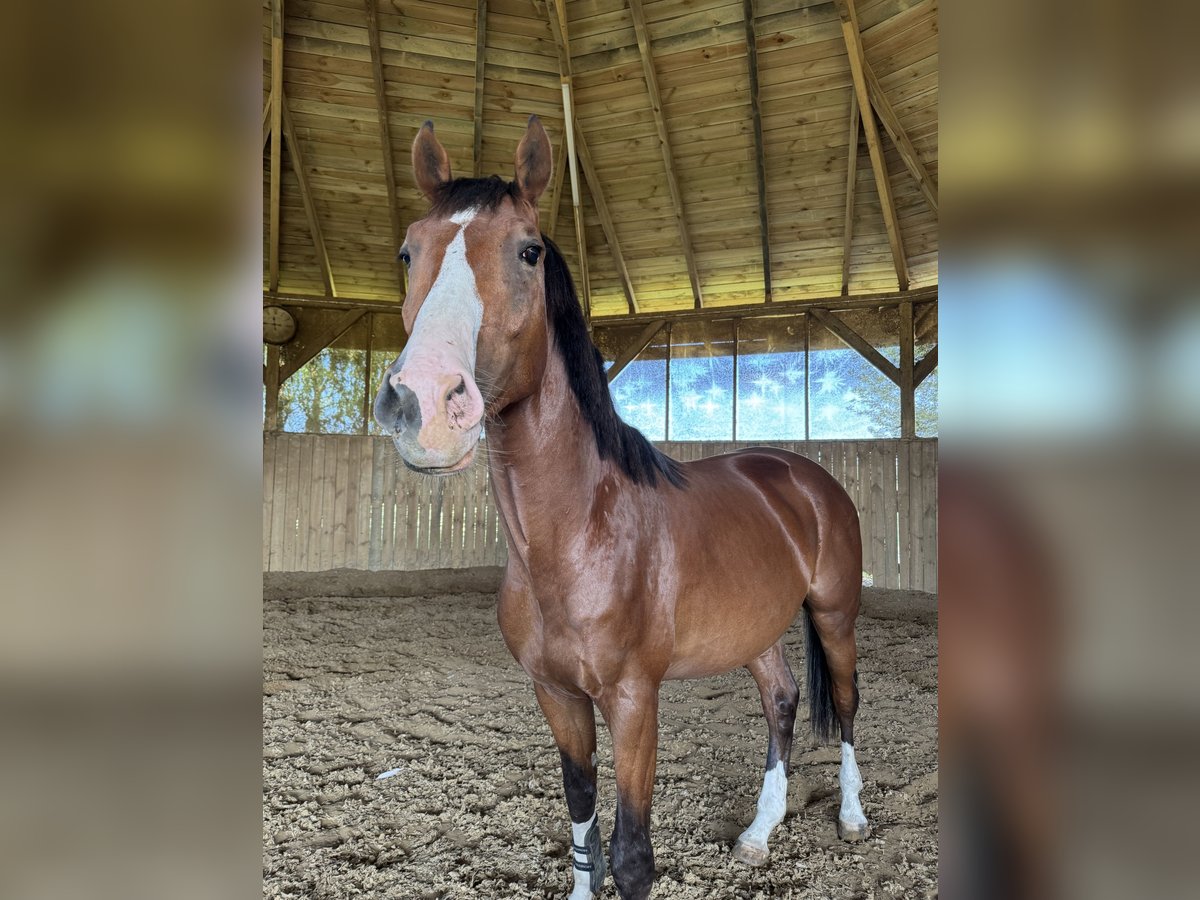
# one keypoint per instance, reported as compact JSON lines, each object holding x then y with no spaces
{"x":461,"y":388}
{"x":408,"y":409}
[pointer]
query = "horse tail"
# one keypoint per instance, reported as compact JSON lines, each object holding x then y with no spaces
{"x":821,"y":714}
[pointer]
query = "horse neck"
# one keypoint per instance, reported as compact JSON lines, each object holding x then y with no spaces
{"x":543,"y":461}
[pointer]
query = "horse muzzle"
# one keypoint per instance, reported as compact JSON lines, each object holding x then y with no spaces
{"x":434,"y":412}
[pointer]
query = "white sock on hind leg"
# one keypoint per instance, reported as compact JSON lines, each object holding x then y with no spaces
{"x":851,"y":781}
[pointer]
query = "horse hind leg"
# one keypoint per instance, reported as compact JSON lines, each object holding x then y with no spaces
{"x":777,"y":687}
{"x":833,"y":690}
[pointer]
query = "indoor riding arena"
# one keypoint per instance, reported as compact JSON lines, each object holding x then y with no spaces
{"x":745,"y":195}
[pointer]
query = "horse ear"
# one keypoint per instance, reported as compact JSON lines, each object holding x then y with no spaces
{"x":431,"y":164}
{"x":533,"y":163}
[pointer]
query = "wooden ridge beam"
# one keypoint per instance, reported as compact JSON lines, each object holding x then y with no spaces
{"x":904,"y":146}
{"x":634,"y":347}
{"x":332,"y":332}
{"x":310,"y":208}
{"x":385,"y":139}
{"x":856,"y":342}
{"x":850,"y":35}
{"x":276,"y":140}
{"x":851,"y":179}
{"x":481,"y":11}
{"x":760,"y":159}
{"x":664,"y":141}
{"x":925,"y":367}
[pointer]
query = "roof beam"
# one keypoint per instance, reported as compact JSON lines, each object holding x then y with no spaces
{"x":332,"y":332}
{"x":385,"y":138}
{"x":480,"y":42}
{"x":851,"y":178}
{"x":634,"y":347}
{"x":857,"y":342}
{"x":878,"y":164}
{"x":310,"y":209}
{"x":664,"y":141}
{"x":606,"y":222}
{"x":925,"y":367}
{"x":276,"y":140}
{"x":760,"y":161}
{"x":904,"y":146}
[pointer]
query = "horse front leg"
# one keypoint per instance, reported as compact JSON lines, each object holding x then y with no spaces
{"x":631,"y":711}
{"x":573,"y":722}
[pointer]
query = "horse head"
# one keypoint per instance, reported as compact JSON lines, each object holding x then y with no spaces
{"x":475,"y":307}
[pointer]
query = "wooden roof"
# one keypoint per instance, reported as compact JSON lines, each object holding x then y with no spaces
{"x":695,"y":129}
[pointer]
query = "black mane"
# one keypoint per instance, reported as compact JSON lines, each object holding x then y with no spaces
{"x":615,"y":440}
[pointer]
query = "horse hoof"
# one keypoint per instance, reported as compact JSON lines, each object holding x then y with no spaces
{"x":853,"y":832}
{"x":750,"y":855}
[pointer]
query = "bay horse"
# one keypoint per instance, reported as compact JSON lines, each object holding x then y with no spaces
{"x":625,"y":567}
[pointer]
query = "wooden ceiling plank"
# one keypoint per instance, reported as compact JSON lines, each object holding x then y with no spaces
{"x":854,"y":50}
{"x":385,"y":139}
{"x":851,"y":178}
{"x":481,"y":12}
{"x":856,"y":342}
{"x":904,"y":146}
{"x":310,"y":209}
{"x":276,"y":141}
{"x":647,"y":53}
{"x":636,"y":346}
{"x":760,"y":163}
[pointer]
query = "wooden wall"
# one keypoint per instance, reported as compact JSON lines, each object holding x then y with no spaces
{"x":346,"y":501}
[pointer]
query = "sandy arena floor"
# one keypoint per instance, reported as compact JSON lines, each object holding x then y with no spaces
{"x":357,"y":687}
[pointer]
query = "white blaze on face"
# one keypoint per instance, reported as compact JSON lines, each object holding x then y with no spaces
{"x":851,"y":813}
{"x":772,"y":805}
{"x":446,"y":329}
{"x":583,"y":880}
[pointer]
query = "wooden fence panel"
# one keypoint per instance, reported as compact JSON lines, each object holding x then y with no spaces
{"x":333,"y":501}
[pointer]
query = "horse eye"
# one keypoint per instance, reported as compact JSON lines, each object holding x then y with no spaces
{"x":531,"y":254}
{"x":405,"y":258}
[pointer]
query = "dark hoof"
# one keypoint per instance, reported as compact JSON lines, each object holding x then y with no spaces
{"x":848,"y":832}
{"x":750,"y":855}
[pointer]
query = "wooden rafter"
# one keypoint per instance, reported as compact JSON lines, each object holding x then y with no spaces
{"x":925,"y":367}
{"x":857,"y":342}
{"x":630,"y":352}
{"x":854,"y":50}
{"x":310,"y":208}
{"x":480,"y":45}
{"x":560,"y":168}
{"x":385,"y":136}
{"x":276,"y":140}
{"x":319,"y":342}
{"x":664,"y":141}
{"x":760,"y":160}
{"x":851,"y":179}
{"x":904,"y":146}
{"x":606,"y":222}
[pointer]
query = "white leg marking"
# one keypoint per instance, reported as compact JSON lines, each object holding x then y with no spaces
{"x":852,"y":812}
{"x":772,"y":804}
{"x":583,"y":880}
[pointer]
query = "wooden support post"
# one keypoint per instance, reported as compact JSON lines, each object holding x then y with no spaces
{"x":664,"y":141}
{"x":368,"y":388}
{"x":320,"y":341}
{"x":271,"y":381}
{"x":385,"y":140}
{"x":851,"y":179}
{"x":737,"y":327}
{"x":276,"y":140}
{"x":904,"y":146}
{"x":480,"y":43}
{"x":878,"y":163}
{"x":908,"y":408}
{"x":925,"y":367}
{"x":629,"y":353}
{"x":760,"y":163}
{"x":856,"y":341}
{"x":306,"y":197}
